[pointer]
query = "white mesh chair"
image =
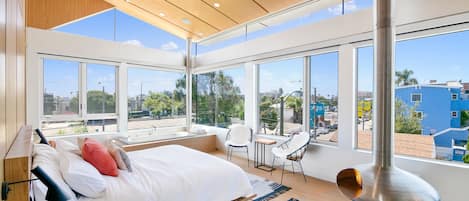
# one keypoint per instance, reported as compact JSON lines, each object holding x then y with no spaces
{"x":292,"y":150}
{"x":239,"y":136}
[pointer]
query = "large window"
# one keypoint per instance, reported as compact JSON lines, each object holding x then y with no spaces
{"x":430,"y":73}
{"x":281,"y":97}
{"x":431,"y":102}
{"x":323,"y":118}
{"x":69,"y":110}
{"x":156,"y":99}
{"x":115,"y":25}
{"x":307,"y":14}
{"x":218,"y":97}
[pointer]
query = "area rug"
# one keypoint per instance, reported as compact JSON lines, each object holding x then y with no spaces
{"x":266,"y":189}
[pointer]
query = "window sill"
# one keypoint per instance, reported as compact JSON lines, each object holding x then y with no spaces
{"x":159,"y":138}
{"x":84,"y":135}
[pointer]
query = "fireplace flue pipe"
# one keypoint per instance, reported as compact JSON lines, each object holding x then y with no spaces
{"x":381,"y":180}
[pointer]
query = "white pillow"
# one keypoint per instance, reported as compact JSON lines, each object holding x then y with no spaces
{"x":81,"y":176}
{"x":66,"y":146}
{"x":47,"y":158}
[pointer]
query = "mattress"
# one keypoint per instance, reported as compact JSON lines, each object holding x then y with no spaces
{"x":176,"y":173}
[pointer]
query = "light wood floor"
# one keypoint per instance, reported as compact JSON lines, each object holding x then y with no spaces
{"x":312,"y":190}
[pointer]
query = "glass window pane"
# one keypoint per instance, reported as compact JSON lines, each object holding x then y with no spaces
{"x":218,"y":98}
{"x":96,"y":26}
{"x":281,"y":97}
{"x":133,"y":31}
{"x":324,"y":95}
{"x":101,"y":88}
{"x":60,"y":87}
{"x":429,"y":71}
{"x":155,"y":98}
{"x":364,"y":97}
{"x":115,"y":25}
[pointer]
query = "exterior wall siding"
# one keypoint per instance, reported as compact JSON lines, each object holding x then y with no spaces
{"x":436,"y":106}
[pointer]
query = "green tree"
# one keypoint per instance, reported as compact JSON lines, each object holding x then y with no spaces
{"x":405,"y":119}
{"x":269,"y":114}
{"x":464,"y":118}
{"x":216,"y":99}
{"x":95,"y":100}
{"x":296,"y":103}
{"x":403,"y":78}
{"x":158,"y":103}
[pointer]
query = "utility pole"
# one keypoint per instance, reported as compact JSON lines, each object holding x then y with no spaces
{"x":103,"y":105}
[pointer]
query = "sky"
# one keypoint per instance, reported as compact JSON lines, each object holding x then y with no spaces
{"x":442,"y":58}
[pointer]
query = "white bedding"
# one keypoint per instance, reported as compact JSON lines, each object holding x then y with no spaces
{"x":176,"y":173}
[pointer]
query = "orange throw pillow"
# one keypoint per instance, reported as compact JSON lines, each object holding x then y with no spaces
{"x":95,"y":153}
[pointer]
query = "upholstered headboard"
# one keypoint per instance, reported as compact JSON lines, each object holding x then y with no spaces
{"x":17,"y":163}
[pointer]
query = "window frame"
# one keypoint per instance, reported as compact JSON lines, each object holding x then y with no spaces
{"x":323,"y":52}
{"x":82,"y":92}
{"x":420,"y":117}
{"x":416,"y":94}
{"x":151,"y":68}
{"x":306,"y":57}
{"x":454,"y":114}
{"x":216,"y":70}
{"x":454,"y":96}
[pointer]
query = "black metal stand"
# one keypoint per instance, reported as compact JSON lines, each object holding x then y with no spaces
{"x":260,"y":164}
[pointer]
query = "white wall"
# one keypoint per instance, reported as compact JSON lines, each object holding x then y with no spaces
{"x":325,"y":161}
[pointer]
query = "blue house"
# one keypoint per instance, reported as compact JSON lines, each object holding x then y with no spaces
{"x":439,"y":107}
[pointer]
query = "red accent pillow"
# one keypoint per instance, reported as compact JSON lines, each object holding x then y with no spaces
{"x":95,"y":153}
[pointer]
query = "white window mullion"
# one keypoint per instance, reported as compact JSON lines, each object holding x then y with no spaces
{"x":82,"y":92}
{"x":306,"y":92}
{"x":122,"y":99}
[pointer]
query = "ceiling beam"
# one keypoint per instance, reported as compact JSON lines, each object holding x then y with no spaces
{"x":47,"y":14}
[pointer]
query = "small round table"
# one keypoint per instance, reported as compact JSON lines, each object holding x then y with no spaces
{"x":259,"y":155}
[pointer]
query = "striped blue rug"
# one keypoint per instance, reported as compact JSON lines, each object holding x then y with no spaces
{"x":266,"y":189}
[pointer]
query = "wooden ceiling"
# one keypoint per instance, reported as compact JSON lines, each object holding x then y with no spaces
{"x":47,"y":14}
{"x":195,"y":19}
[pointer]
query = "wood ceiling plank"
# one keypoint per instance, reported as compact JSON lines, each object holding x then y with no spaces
{"x":277,"y":5}
{"x":152,"y":19}
{"x":239,"y":10}
{"x":176,"y":15}
{"x":47,"y":14}
{"x":205,"y":12}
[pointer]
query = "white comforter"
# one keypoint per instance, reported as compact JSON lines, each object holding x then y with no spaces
{"x":177,"y":173}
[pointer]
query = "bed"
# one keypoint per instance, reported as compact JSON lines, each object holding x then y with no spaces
{"x":176,"y":173}
{"x":166,"y":173}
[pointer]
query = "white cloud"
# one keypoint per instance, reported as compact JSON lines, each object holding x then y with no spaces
{"x":349,"y":7}
{"x":169,"y":46}
{"x":134,"y":42}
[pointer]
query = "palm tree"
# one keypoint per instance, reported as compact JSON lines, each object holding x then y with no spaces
{"x":404,"y":78}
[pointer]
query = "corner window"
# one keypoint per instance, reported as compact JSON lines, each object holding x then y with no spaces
{"x":416,"y":97}
{"x":78,"y":97}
